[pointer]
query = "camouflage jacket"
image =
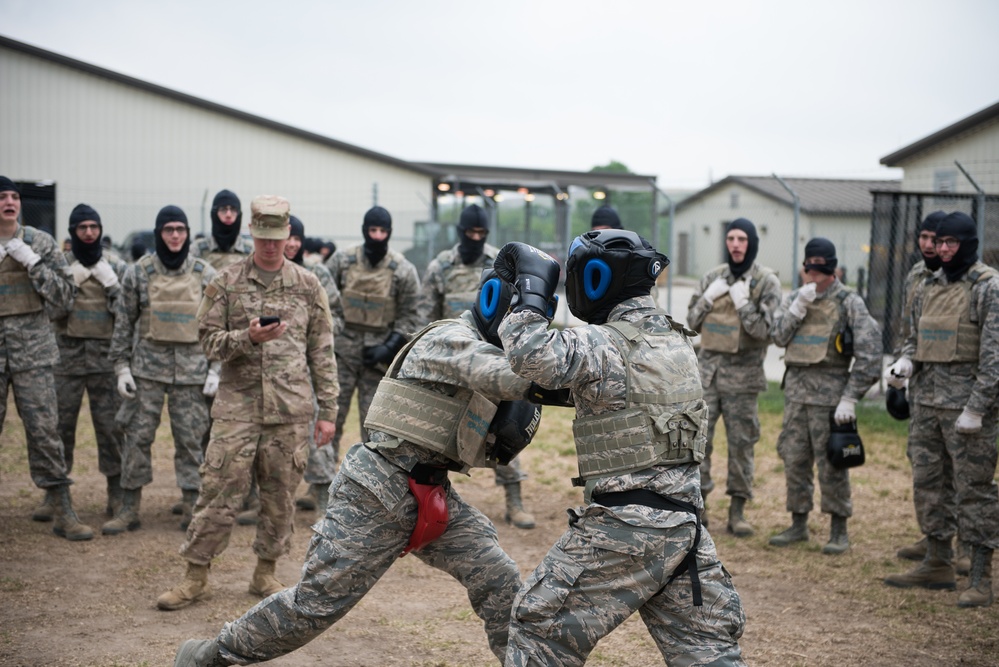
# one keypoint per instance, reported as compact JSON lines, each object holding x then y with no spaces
{"x":959,"y":385}
{"x":84,"y":356}
{"x":821,"y":384}
{"x":272,"y":382}
{"x":740,"y":373}
{"x":169,"y":363}
{"x":586,"y":360}
{"x":405,"y":290}
{"x":27,"y":341}
{"x":441,"y":280}
{"x":206,"y":246}
{"x":333,"y":294}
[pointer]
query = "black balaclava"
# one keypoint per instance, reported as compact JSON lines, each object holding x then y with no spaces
{"x":88,"y":253}
{"x":963,"y":228}
{"x":605,"y":216}
{"x":824,"y":248}
{"x":139,"y":251}
{"x":297,"y":229}
{"x":749,"y":228}
{"x":375,"y":251}
{"x":226,"y":235}
{"x":171,"y":260}
{"x":470,"y":249}
{"x":930,"y":224}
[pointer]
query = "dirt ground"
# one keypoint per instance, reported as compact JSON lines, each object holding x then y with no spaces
{"x":93,"y":603}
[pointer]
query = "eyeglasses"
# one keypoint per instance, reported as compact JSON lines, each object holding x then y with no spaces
{"x":175,"y":230}
{"x":950,"y":242}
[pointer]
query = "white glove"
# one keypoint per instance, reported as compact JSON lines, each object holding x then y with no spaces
{"x":968,"y":422}
{"x":806,"y":295}
{"x":126,"y":383}
{"x":900,"y":369}
{"x":22,"y":252}
{"x":211,"y":383}
{"x":739,"y":291}
{"x":104,"y":274}
{"x":3,"y":252}
{"x":845,"y":412}
{"x":716,"y":289}
{"x":80,"y":273}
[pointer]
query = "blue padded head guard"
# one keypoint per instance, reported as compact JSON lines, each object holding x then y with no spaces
{"x":491,"y":304}
{"x":607,"y":266}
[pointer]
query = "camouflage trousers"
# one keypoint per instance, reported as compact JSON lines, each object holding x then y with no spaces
{"x":601,"y":571}
{"x":742,"y":430}
{"x":802,"y":446}
{"x":933,"y":443}
{"x":353,"y":546}
{"x":275,"y":455}
{"x":365,"y":380}
{"x":509,"y":474}
{"x":35,"y":398}
{"x":105,"y":401}
{"x":321,"y":468}
{"x":140,"y":417}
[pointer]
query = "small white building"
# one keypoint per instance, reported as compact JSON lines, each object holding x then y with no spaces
{"x":839,"y":210}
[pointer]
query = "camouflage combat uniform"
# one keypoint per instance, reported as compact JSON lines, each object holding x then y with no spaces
{"x":372,"y":515}
{"x":733,"y":349}
{"x":817,"y":377}
{"x":263,"y":411}
{"x":28,"y":350}
{"x":619,"y":558}
{"x":376,"y":301}
{"x":84,"y":339}
{"x":158,"y":342}
{"x":948,"y":377}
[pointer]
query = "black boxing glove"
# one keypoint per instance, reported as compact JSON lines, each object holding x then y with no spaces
{"x":383,"y":353}
{"x":513,"y":428}
{"x":561,"y":397}
{"x":533,"y":274}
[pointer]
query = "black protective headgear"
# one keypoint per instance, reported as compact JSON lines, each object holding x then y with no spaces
{"x":896,"y":403}
{"x":88,"y":253}
{"x":297,"y":229}
{"x":170,"y":259}
{"x":491,"y":304}
{"x":376,"y":216}
{"x":226,"y":235}
{"x":605,"y":267}
{"x":824,"y":248}
{"x":963,"y":228}
{"x":752,"y":249}
{"x":930,"y":224}
{"x":472,"y":217}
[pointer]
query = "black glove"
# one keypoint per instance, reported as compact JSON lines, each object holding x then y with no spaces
{"x":513,"y":426}
{"x":383,"y":353}
{"x":561,"y":397}
{"x":533,"y":274}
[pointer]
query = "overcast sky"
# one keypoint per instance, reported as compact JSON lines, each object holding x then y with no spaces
{"x":685,"y":91}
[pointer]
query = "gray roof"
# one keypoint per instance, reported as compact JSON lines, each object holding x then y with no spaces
{"x":988,"y":115}
{"x":818,"y":196}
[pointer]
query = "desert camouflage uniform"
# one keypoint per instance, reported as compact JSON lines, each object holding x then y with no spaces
{"x":28,"y":351}
{"x":86,"y":366}
{"x":942,"y":390}
{"x":812,"y":392}
{"x":448,"y":289}
{"x":372,"y":513}
{"x":732,"y":381}
{"x":404,"y":292}
{"x":264,"y":407}
{"x":159,"y":368}
{"x":614,"y":561}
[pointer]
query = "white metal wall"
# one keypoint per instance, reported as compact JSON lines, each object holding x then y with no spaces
{"x":978,"y":152}
{"x":128,"y":152}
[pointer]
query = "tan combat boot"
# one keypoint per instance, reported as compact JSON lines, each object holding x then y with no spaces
{"x":979,"y":592}
{"x":264,"y":583}
{"x":515,"y":512}
{"x":46,"y":510}
{"x":67,"y":524}
{"x":798,"y":532}
{"x":128,"y":516}
{"x":194,"y":587}
{"x":187,"y":510}
{"x":199,"y":653}
{"x":838,"y":542}
{"x":962,"y":559}
{"x":115,"y":496}
{"x":915,"y":551}
{"x":936,"y":572}
{"x":737,"y":524}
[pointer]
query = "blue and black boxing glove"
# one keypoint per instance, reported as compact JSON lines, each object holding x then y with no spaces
{"x":533,"y":274}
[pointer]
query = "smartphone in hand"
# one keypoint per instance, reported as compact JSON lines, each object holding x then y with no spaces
{"x":268,"y":320}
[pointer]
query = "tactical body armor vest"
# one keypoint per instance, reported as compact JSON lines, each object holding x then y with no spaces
{"x":461,"y":286}
{"x":454,"y":424}
{"x":220,"y":260}
{"x":722,"y":329}
{"x":173,"y":304}
{"x":664,"y":421}
{"x":948,"y":330}
{"x":90,"y":317}
{"x":367,"y":295}
{"x":815,"y":340}
{"x":17,"y":294}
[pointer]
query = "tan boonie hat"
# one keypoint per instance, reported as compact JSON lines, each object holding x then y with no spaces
{"x":270,"y":217}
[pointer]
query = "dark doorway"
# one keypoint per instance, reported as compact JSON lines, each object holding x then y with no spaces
{"x":38,"y":206}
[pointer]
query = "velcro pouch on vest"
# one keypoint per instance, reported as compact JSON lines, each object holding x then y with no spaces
{"x":614,"y":443}
{"x":432,"y":515}
{"x":473,"y":427}
{"x":844,"y":449}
